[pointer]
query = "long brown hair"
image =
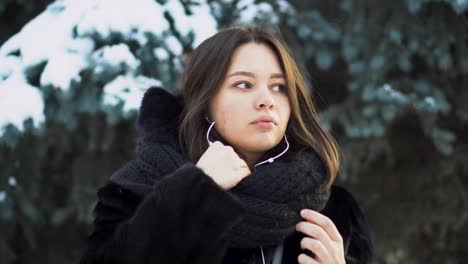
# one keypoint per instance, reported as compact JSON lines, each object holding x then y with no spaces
{"x":204,"y":75}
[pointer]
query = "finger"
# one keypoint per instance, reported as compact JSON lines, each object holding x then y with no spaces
{"x":243,"y":172}
{"x":315,"y":246}
{"x":242,"y":163}
{"x":315,"y":231}
{"x":230,"y":149}
{"x":217,"y":143}
{"x":324,"y":222}
{"x":304,"y":259}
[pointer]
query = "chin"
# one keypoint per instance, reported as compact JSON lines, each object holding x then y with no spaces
{"x":261,"y":145}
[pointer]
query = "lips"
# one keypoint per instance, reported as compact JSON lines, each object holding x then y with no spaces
{"x":265,"y":122}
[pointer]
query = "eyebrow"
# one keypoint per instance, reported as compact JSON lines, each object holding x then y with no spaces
{"x":250,"y":74}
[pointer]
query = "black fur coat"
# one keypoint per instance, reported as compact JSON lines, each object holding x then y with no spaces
{"x":184,"y":217}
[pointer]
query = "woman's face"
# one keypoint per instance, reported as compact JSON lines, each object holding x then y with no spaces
{"x":251,"y":109}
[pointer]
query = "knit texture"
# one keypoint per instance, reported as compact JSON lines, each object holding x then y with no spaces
{"x":272,"y":195}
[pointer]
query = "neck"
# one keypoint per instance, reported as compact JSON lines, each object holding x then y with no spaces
{"x":251,"y":158}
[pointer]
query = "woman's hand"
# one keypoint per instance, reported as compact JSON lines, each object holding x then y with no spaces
{"x":223,"y":165}
{"x":323,"y":239}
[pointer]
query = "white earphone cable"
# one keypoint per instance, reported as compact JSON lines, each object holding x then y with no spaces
{"x":208,"y":133}
{"x":270,"y":160}
{"x":263,"y":256}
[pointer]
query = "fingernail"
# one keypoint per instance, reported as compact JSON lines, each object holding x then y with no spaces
{"x":304,"y":212}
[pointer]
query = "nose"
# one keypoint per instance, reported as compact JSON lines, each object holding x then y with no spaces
{"x":264,"y":99}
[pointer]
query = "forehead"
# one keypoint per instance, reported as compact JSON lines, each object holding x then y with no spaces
{"x":255,"y":57}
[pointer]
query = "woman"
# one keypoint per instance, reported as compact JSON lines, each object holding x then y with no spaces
{"x":238,"y":169}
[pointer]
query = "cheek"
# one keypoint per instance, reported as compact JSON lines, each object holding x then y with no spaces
{"x":229,"y":117}
{"x":284,"y":111}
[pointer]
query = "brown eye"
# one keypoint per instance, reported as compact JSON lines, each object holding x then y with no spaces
{"x":279,"y":88}
{"x":243,"y":85}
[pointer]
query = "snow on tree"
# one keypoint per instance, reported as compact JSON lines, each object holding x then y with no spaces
{"x":104,"y":38}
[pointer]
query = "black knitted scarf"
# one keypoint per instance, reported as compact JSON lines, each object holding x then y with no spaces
{"x":272,"y":195}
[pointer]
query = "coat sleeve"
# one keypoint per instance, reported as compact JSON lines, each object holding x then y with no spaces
{"x":346,"y":214}
{"x":184,"y":218}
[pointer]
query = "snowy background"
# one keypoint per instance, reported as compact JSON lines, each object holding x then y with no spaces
{"x":66,"y":40}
